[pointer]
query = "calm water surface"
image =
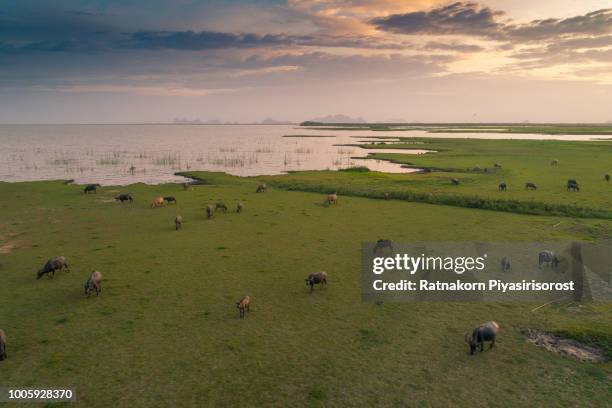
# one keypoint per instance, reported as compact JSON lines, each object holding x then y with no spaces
{"x":125,"y":154}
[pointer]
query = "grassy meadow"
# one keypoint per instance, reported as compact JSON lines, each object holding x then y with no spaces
{"x":165,"y":330}
{"x":471,"y":161}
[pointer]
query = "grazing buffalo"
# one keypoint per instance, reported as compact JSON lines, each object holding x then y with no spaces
{"x":94,"y":282}
{"x":170,"y":199}
{"x":548,"y":258}
{"x":3,"y":354}
{"x":331,"y":199}
{"x":124,"y":197}
{"x":455,"y":182}
{"x":554,"y":162}
{"x":157,"y":202}
{"x":497,"y":165}
{"x":505,"y":264}
{"x":210,"y":211}
{"x":572,"y":185}
{"x":316,"y":278}
{"x":485,"y":332}
{"x":221,"y":206}
{"x":381,"y":244}
{"x":244,"y":306}
{"x":530,"y":186}
{"x":502,"y":186}
{"x":91,"y":188}
{"x":261,"y":188}
{"x":52,"y":265}
{"x":387,"y":196}
{"x":239,"y":207}
{"x":607,"y":176}
{"x":178,"y":222}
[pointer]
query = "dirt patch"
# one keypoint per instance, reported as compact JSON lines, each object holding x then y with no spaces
{"x":557,"y":344}
{"x":7,"y":247}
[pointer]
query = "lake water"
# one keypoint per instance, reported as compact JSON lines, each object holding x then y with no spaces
{"x":125,"y":154}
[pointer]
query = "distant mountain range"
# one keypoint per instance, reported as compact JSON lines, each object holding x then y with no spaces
{"x":266,"y":121}
{"x":338,"y":119}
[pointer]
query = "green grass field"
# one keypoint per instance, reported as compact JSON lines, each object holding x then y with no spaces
{"x":165,"y":330}
{"x":466,"y":160}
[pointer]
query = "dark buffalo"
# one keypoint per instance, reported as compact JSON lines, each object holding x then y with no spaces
{"x":316,"y":278}
{"x":607,"y":176}
{"x":124,"y":197}
{"x":51,"y":266}
{"x":455,"y":182}
{"x":502,"y":186}
{"x":548,"y":258}
{"x":221,"y":206}
{"x":497,"y":165}
{"x":170,"y":199}
{"x":91,"y":188}
{"x":485,"y":332}
{"x":554,"y":162}
{"x":572,"y":185}
{"x":3,"y":354}
{"x":530,"y":186}
{"x":381,"y":244}
{"x":505,"y":264}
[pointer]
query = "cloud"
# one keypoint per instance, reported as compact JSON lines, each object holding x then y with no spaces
{"x":452,"y":46}
{"x":212,"y":40}
{"x":158,"y":90}
{"x":595,"y":23}
{"x":466,"y":18}
{"x":472,"y":19}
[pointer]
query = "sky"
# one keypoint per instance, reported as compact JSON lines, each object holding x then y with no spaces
{"x":134,"y":61}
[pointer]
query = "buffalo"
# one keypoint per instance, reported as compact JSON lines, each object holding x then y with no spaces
{"x":3,"y":354}
{"x":94,"y":282}
{"x":455,"y":182}
{"x":502,"y":186}
{"x":124,"y":197}
{"x":530,"y":186}
{"x":572,"y":185}
{"x":316,"y":278}
{"x":157,"y":202}
{"x":210,"y":211}
{"x":244,"y":306}
{"x":331,"y":199}
{"x":381,"y":244}
{"x":505,"y":264}
{"x":51,"y":266}
{"x":91,"y":188}
{"x":178,"y":222}
{"x":485,"y":332}
{"x":548,"y":258}
{"x":221,"y":206}
{"x":170,"y":199}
